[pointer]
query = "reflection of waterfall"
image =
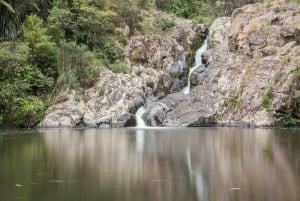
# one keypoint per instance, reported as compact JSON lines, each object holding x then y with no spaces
{"x":139,"y":136}
{"x":196,"y":177}
{"x":140,"y":123}
{"x":198,"y":63}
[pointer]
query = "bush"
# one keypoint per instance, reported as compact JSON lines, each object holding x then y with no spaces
{"x":27,"y":111}
{"x":163,"y":23}
{"x":119,"y":68}
{"x":101,"y":90}
{"x":267,"y":99}
{"x":42,"y":51}
{"x":288,"y":120}
{"x":78,"y":67}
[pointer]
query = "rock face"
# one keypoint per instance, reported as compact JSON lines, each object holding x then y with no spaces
{"x":253,"y":74}
{"x":157,"y":67}
{"x":251,"y":77}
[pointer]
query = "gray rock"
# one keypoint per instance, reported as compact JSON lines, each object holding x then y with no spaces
{"x":287,"y":31}
{"x":256,"y":38}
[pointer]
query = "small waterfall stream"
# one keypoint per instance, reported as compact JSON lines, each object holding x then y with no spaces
{"x":198,"y":62}
{"x":140,"y":123}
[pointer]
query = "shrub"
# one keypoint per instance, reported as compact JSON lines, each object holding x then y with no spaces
{"x":288,"y":120}
{"x":60,"y":98}
{"x":101,"y":90}
{"x":78,"y":67}
{"x":162,"y":23}
{"x":27,"y":111}
{"x":42,"y":51}
{"x":77,"y":97}
{"x":267,"y":99}
{"x":233,"y":102}
{"x":119,"y":67}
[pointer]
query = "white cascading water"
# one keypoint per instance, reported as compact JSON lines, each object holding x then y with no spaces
{"x":198,"y":62}
{"x":140,"y":123}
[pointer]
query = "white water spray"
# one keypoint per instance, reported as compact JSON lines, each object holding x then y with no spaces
{"x":140,"y":123}
{"x":198,"y":62}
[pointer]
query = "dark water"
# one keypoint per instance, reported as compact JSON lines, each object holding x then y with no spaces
{"x":203,"y":164}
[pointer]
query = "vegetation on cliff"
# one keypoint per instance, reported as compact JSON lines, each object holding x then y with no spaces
{"x":54,"y":45}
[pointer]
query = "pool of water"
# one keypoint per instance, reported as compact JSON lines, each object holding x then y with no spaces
{"x":188,"y":164}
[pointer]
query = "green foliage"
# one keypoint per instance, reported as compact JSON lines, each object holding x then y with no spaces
{"x":119,"y":67}
{"x":78,"y":96}
{"x":162,"y":23}
{"x":110,"y":52}
{"x":298,"y":104}
{"x":130,"y":14}
{"x":201,"y":11}
{"x":78,"y":67}
{"x":43,"y":52}
{"x":61,"y":22}
{"x":27,"y":112}
{"x":233,"y":102}
{"x":289,"y":120}
{"x":101,"y":90}
{"x":93,"y":23}
{"x":60,"y":98}
{"x":267,"y":99}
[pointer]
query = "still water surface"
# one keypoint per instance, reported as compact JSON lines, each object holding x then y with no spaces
{"x":195,"y":164}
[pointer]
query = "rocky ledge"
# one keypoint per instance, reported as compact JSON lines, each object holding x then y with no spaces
{"x":252,"y":77}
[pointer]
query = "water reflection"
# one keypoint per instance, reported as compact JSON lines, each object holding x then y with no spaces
{"x":140,"y":134}
{"x":226,"y":164}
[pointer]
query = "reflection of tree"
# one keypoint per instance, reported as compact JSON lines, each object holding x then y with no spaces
{"x":288,"y":141}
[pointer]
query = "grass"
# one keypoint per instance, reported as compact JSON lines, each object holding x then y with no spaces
{"x":234,"y":102}
{"x":267,"y":99}
{"x":119,"y":67}
{"x":101,"y":90}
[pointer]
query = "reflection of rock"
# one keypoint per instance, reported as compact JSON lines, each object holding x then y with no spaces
{"x":214,"y":160}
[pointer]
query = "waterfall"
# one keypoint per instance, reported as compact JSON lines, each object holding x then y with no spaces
{"x":198,"y":62}
{"x":140,"y":123}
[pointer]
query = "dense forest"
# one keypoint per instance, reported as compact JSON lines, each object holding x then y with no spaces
{"x":47,"y":46}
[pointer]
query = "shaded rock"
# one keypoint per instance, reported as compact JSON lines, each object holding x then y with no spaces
{"x":256,"y":38}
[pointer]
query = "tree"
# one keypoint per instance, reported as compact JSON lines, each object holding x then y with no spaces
{"x":11,"y":14}
{"x":131,"y":15}
{"x":43,"y":52}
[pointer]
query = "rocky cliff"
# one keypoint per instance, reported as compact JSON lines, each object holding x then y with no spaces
{"x":157,"y":64}
{"x":252,"y":76}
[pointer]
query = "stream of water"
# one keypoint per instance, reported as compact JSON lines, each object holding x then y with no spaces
{"x":140,"y":123}
{"x":198,"y":63}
